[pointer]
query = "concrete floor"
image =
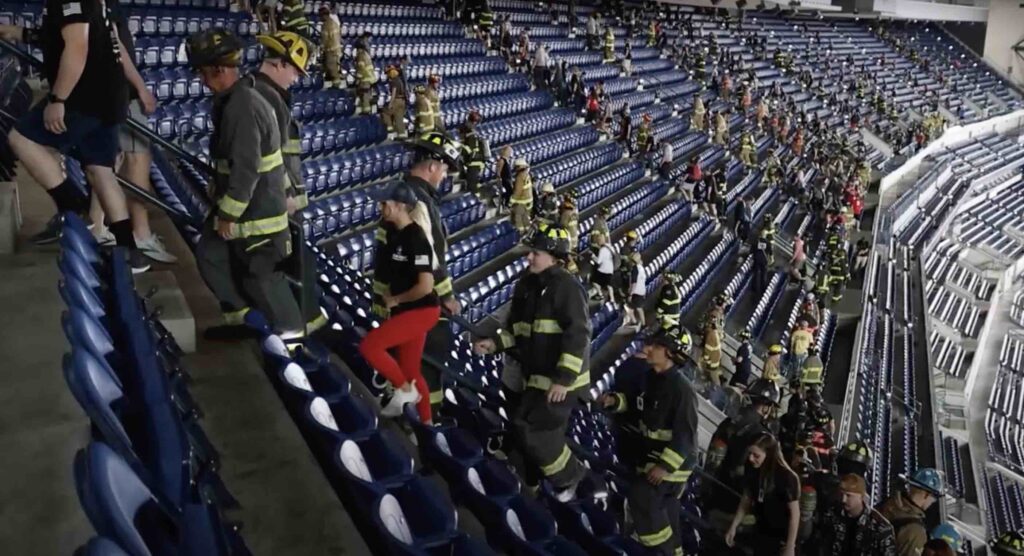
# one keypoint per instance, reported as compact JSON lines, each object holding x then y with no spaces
{"x":288,"y":507}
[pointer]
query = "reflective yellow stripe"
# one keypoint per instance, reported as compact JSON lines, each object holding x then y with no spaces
{"x":271,"y":161}
{"x":672,"y":458}
{"x":620,"y":403}
{"x":267,"y":163}
{"x":436,"y":397}
{"x":253,"y":247}
{"x":235,"y":317}
{"x":380,"y":235}
{"x":546,"y":326}
{"x":317,"y":323}
{"x":570,"y":362}
{"x":542,"y":382}
{"x":520,"y":201}
{"x":559,"y":464}
{"x":678,"y":476}
{"x":479,"y":163}
{"x":522,"y":329}
{"x":656,"y":434}
{"x":301,"y":201}
{"x":507,"y":340}
{"x":263,"y":226}
{"x":655,"y":539}
{"x":292,"y":146}
{"x":444,"y":287}
{"x":231,"y":207}
{"x":379,"y":287}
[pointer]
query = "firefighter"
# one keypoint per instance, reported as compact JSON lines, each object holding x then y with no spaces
{"x":670,"y":301}
{"x":435,"y":154}
{"x":711,"y":355}
{"x":286,"y":58}
{"x":424,"y":110}
{"x":741,"y":361}
{"x":484,"y":22}
{"x":906,"y":510}
{"x":475,"y":151}
{"x":548,"y":326}
{"x":811,"y":375}
{"x":330,"y":47}
{"x":747,"y":150}
{"x":698,"y":114}
{"x":643,"y":135}
{"x":772,"y":369}
{"x":434,"y":95}
{"x":246,"y":236}
{"x":721,"y":136}
{"x":393,"y":115}
{"x":569,"y":219}
{"x":652,"y":34}
{"x":839,"y":273}
{"x":366,"y":77}
{"x":699,"y":72}
{"x":546,"y":207}
{"x":522,"y":197}
{"x":822,"y":283}
{"x":946,"y":533}
{"x":609,"y":45}
{"x":668,"y":424}
{"x":293,"y":17}
{"x":1010,"y":543}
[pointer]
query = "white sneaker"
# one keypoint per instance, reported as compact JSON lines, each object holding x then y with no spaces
{"x":105,"y":238}
{"x":154,"y":248}
{"x":398,"y":401}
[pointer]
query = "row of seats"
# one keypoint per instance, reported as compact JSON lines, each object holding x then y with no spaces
{"x":625,"y":209}
{"x":335,"y":173}
{"x":941,"y":265}
{"x":472,"y":252}
{"x":567,"y":169}
{"x":396,"y":509}
{"x":148,"y":481}
{"x":525,"y":126}
{"x":1005,"y":504}
{"x":1004,"y":420}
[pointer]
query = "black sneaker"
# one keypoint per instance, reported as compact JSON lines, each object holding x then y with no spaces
{"x":138,"y":261}
{"x":51,"y":233}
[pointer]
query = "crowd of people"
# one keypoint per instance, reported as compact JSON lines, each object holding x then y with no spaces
{"x":784,"y":468}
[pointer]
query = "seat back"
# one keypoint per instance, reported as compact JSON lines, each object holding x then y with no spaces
{"x":100,"y":546}
{"x":93,"y":384}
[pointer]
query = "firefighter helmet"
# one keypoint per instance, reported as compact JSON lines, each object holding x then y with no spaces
{"x":438,"y":146}
{"x":946,"y":532}
{"x":926,"y":479}
{"x":1010,"y":543}
{"x":764,"y":390}
{"x":213,"y":47}
{"x":553,"y":239}
{"x":856,"y":452}
{"x":287,"y":46}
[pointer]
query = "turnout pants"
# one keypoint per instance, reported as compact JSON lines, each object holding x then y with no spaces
{"x":473,"y":176}
{"x":332,"y":67}
{"x":655,"y":511}
{"x":244,"y":273}
{"x":539,"y":429}
{"x":365,"y":96}
{"x":394,"y":116}
{"x":438,"y":347}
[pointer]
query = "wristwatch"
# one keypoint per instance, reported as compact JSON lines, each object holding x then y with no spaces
{"x":54,"y":99}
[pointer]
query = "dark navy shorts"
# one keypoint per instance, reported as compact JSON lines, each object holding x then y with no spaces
{"x":88,"y":139}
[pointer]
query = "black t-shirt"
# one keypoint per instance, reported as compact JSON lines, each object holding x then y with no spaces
{"x":407,"y":254}
{"x":771,"y":499}
{"x":102,"y":89}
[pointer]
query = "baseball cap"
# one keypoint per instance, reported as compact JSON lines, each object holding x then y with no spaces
{"x":400,"y":192}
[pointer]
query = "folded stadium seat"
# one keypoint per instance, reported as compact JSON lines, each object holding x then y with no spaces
{"x":414,"y":517}
{"x":373,"y":466}
{"x":529,"y":528}
{"x":121,"y":508}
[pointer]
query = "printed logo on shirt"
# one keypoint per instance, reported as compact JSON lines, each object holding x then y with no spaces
{"x":399,"y":256}
{"x":72,"y":8}
{"x":422,"y":260}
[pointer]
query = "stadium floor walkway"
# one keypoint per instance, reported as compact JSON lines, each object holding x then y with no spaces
{"x":288,"y":507}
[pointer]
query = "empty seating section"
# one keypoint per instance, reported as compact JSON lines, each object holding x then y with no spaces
{"x":1004,"y":499}
{"x":1004,"y":422}
{"x":148,"y":480}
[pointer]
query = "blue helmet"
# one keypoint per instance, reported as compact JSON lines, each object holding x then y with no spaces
{"x":948,"y":533}
{"x":926,"y":479}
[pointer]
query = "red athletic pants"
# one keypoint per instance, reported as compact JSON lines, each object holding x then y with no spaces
{"x":406,"y":333}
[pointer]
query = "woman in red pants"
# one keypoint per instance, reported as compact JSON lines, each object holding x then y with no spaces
{"x":404,"y":263}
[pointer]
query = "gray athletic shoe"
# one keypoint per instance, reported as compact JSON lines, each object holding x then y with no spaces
{"x":154,"y":248}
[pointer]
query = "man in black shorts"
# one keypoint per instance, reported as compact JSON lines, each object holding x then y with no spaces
{"x":84,"y":64}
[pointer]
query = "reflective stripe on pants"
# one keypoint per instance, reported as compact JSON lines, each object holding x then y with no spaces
{"x":540,"y":428}
{"x":655,"y":511}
